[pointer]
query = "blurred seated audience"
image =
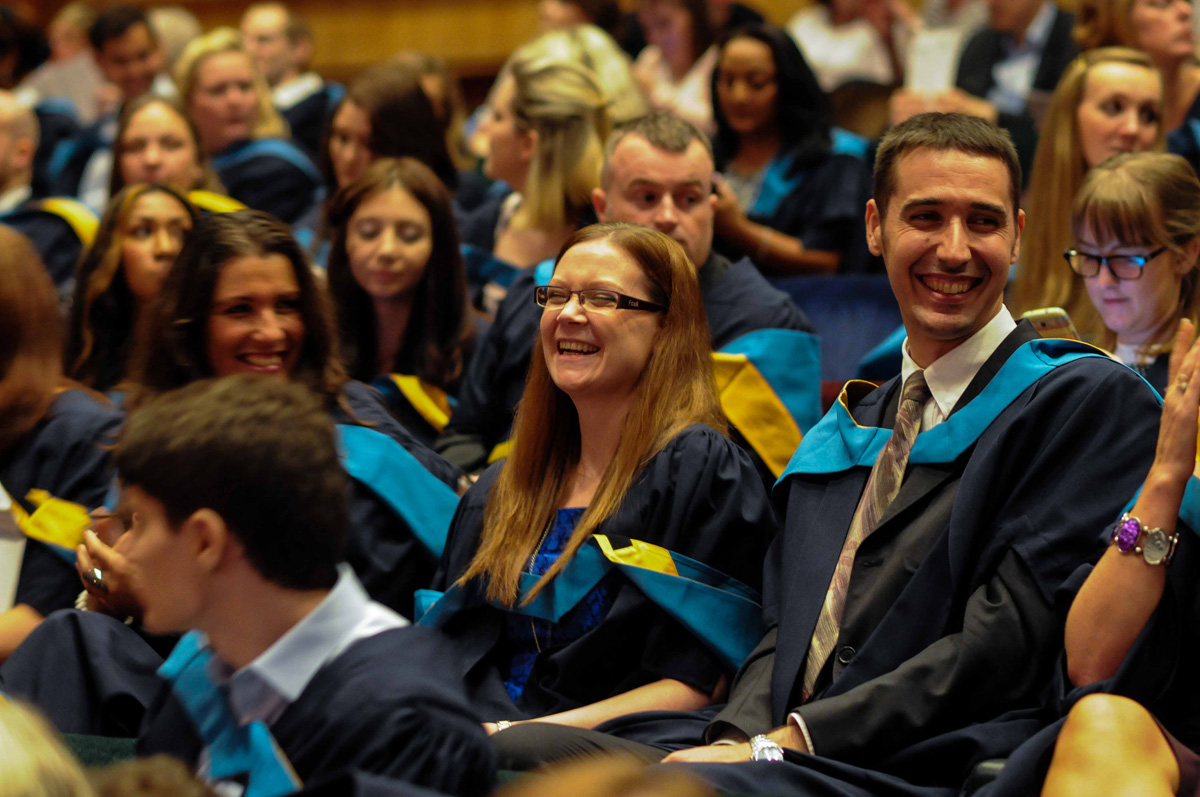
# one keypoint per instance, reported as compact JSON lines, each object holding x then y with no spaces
{"x":54,"y":443}
{"x":281,"y":44}
{"x":675,"y":68}
{"x":128,"y":52}
{"x":792,"y":190}
{"x":140,"y":236}
{"x":1137,"y":241}
{"x":846,"y":41}
{"x":620,"y":445}
{"x":1110,"y":100}
{"x":396,"y":276}
{"x":174,"y":26}
{"x":1163,"y":30}
{"x":71,"y":74}
{"x":1006,"y":73}
{"x":240,"y":130}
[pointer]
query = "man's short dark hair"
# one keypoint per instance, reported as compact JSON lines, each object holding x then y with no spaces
{"x":664,"y":130}
{"x":944,"y":131}
{"x":115,"y":23}
{"x":261,"y":454}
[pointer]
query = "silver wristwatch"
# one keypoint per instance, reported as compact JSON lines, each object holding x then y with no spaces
{"x":763,"y":748}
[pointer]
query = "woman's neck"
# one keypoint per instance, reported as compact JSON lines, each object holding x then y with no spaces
{"x":601,"y":424}
{"x":1181,"y":79}
{"x":391,"y":324}
{"x":1153,"y":337}
{"x":756,"y":150}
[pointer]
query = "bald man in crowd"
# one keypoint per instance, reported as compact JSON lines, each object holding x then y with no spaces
{"x":59,"y":228}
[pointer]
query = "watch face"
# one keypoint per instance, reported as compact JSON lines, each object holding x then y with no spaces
{"x":1156,"y":547}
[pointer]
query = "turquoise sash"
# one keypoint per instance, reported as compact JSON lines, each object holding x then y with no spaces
{"x":543,"y":272}
{"x":1189,"y":510}
{"x":838,"y":443}
{"x":483,"y":267}
{"x":790,"y":361}
{"x":234,"y":750}
{"x":421,"y":499}
{"x":720,"y":611}
{"x":777,"y":185}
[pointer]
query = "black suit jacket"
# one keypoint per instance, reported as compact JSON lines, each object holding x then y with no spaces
{"x":949,"y":618}
{"x":986,"y":49}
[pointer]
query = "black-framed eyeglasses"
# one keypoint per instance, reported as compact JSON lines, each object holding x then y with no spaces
{"x":554,"y":298}
{"x":1122,"y":267}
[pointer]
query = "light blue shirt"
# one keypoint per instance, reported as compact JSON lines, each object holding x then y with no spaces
{"x":264,"y":688}
{"x":1013,"y":75}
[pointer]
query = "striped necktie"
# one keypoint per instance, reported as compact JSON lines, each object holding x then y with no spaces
{"x":882,"y":486}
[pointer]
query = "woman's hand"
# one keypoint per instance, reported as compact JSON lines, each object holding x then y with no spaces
{"x":110,"y":594}
{"x":1175,"y":457}
{"x":729,"y":217}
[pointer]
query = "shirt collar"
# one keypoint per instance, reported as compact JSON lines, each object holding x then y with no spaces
{"x":1038,"y":32}
{"x":949,"y":375}
{"x":301,"y":87}
{"x":11,"y":199}
{"x":266,"y":686}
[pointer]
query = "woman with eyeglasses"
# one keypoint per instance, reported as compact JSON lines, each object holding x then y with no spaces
{"x":1137,"y":233}
{"x":620,"y":454}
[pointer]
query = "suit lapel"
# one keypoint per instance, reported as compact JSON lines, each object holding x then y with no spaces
{"x":921,"y":480}
{"x":814,"y":540}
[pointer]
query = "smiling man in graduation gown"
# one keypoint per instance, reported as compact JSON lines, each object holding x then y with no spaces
{"x":288,"y":670}
{"x":927,"y":522}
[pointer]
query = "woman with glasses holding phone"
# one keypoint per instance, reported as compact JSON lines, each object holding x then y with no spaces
{"x":620,"y":455}
{"x":1137,"y":231}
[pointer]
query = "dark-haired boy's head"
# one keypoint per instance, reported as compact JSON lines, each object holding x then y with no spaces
{"x":251,"y":455}
{"x":126,"y":50}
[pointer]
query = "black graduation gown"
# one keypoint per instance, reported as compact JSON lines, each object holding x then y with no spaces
{"x":737,"y":301}
{"x":384,"y":706}
{"x":56,"y":241}
{"x":308,"y":118}
{"x":699,"y":497}
{"x":71,"y":156}
{"x":56,"y":123}
{"x":825,"y":212}
{"x":65,"y":455}
{"x":388,"y":559}
{"x":272,"y":175}
{"x":1158,"y":672}
{"x":950,"y":618}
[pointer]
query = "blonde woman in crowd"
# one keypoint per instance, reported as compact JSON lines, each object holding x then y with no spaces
{"x":545,"y":128}
{"x":1108,"y":101}
{"x":1163,"y":30}
{"x":246,"y":138}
